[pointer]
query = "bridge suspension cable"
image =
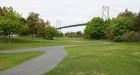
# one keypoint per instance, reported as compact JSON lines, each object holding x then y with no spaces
{"x":105,"y":16}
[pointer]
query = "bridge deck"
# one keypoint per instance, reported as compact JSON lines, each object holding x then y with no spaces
{"x":84,"y":24}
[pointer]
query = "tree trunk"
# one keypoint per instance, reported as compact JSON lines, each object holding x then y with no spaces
{"x":9,"y":37}
{"x":41,"y":41}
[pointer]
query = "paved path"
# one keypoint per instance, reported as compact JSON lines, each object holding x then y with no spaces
{"x":42,"y":64}
{"x":38,"y":65}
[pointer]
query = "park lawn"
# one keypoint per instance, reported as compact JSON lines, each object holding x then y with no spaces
{"x":19,"y":43}
{"x":8,"y":60}
{"x":115,"y":59}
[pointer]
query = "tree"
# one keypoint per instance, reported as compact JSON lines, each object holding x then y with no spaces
{"x":126,"y":13}
{"x":59,"y":34}
{"x":108,"y":33}
{"x":79,"y":34}
{"x":121,"y":25}
{"x":50,"y":32}
{"x":10,"y":21}
{"x":41,"y":26}
{"x":136,"y":25}
{"x":95,"y":28}
{"x":31,"y":21}
{"x":24,"y":29}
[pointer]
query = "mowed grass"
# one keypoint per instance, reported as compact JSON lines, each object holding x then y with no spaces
{"x":8,"y":60}
{"x":114,"y":59}
{"x":18,"y":43}
{"x":98,"y":59}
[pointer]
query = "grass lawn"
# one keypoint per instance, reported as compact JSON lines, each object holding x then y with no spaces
{"x":114,"y":59}
{"x":24,"y":42}
{"x":8,"y":60}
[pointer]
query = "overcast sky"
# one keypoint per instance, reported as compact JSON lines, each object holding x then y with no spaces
{"x":70,"y":11}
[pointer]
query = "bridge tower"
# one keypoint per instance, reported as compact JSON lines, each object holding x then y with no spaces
{"x":105,"y":12}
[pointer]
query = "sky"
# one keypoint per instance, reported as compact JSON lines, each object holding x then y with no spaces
{"x":70,"y":11}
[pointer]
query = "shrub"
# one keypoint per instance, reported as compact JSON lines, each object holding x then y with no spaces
{"x":131,"y":36}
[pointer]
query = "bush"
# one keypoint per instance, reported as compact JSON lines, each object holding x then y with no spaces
{"x":118,"y":39}
{"x":131,"y":36}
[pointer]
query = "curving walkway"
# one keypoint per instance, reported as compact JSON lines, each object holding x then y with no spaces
{"x":42,"y":64}
{"x":39,"y":65}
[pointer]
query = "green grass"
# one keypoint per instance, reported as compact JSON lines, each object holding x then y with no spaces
{"x":8,"y":60}
{"x":114,"y":59}
{"x":24,"y":43}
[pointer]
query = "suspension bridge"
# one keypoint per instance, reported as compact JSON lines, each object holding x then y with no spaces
{"x":105,"y":15}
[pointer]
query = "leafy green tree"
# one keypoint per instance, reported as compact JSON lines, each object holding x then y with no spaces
{"x":121,"y":25}
{"x":79,"y":34}
{"x":71,"y":34}
{"x":136,"y":25}
{"x":126,"y":13}
{"x":41,"y":26}
{"x":24,"y":29}
{"x":10,"y":21}
{"x":134,"y":17}
{"x":32,"y":21}
{"x":51,"y":32}
{"x":95,"y":28}
{"x":108,"y":33}
{"x":60,"y":34}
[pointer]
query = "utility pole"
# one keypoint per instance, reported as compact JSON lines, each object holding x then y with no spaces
{"x":105,"y":12}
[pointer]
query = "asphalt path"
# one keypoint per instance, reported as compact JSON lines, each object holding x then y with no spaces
{"x":39,"y":65}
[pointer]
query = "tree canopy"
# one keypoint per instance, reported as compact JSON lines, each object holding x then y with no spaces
{"x":126,"y":26}
{"x":95,"y":28}
{"x":11,"y":22}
